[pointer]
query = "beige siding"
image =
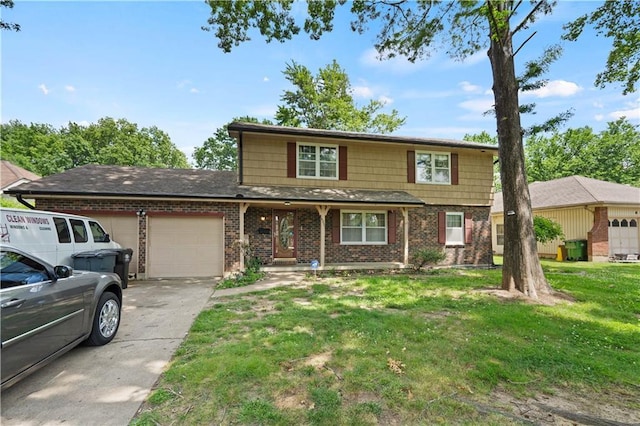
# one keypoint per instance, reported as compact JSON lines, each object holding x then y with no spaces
{"x":576,"y":223}
{"x":371,"y":166}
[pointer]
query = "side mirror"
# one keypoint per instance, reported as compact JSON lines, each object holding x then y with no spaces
{"x":63,"y":271}
{"x":106,"y":238}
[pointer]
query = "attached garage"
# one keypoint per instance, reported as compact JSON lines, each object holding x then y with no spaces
{"x":124,"y":231}
{"x":185,"y":246}
{"x":624,"y":237}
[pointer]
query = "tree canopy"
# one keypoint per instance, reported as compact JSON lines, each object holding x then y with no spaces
{"x":10,"y":26}
{"x":612,"y":155}
{"x":45,"y":150}
{"x":325,"y":101}
{"x":220,"y":152}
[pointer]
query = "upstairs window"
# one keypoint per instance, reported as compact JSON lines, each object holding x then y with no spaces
{"x":433,"y":167}
{"x":317,"y":161}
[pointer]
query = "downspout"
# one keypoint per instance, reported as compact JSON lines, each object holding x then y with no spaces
{"x":24,"y":202}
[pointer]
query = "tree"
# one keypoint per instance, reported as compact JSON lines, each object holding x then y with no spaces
{"x":11,"y":26}
{"x":45,"y":150}
{"x":612,"y":155}
{"x":325,"y":101}
{"x":546,"y":229}
{"x":220,"y":152}
{"x":411,"y":29}
{"x":619,"y":20}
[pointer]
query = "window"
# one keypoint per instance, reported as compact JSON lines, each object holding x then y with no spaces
{"x":455,"y":228}
{"x":364,"y":228}
{"x":500,"y":234}
{"x":63,"y":230}
{"x":79,"y":231}
{"x":433,"y":167}
{"x":99,"y":236}
{"x":318,"y":161}
{"x":16,"y":270}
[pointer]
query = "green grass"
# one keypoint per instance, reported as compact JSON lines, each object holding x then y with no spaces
{"x":403,"y":349}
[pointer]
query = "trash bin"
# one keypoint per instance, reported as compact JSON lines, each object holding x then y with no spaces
{"x":105,"y":260}
{"x":95,"y":260}
{"x":576,"y":249}
{"x":123,"y":259}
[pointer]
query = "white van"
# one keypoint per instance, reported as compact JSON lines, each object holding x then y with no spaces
{"x":54,"y":237}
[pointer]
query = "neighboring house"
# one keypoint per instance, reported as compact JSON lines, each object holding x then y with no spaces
{"x":604,"y":214}
{"x":12,"y":175}
{"x":343,"y":199}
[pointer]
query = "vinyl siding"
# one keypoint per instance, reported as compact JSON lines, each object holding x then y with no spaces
{"x":371,"y":166}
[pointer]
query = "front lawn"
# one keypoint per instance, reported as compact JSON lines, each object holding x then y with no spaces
{"x":436,"y":348}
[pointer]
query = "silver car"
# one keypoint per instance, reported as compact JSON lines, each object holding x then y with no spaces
{"x":47,"y":310}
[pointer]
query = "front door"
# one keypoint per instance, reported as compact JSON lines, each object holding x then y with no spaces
{"x":284,"y":235}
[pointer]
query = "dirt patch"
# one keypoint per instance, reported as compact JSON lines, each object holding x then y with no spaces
{"x":292,"y":399}
{"x":543,"y":299}
{"x":563,"y":408}
{"x":318,"y":360}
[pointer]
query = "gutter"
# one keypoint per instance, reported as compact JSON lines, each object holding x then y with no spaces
{"x":24,"y":202}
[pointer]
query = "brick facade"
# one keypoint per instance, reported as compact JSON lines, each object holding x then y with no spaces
{"x":598,"y":236}
{"x":229,"y":211}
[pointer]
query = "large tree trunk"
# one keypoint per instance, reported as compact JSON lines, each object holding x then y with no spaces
{"x":521,"y":267}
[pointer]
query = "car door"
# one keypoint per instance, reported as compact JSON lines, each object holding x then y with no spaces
{"x":40,"y":314}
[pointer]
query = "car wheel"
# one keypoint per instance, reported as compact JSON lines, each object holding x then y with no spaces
{"x":106,"y":320}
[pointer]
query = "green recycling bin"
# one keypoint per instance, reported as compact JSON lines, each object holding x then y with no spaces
{"x":576,"y":249}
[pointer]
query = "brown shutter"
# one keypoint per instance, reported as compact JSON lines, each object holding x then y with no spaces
{"x":468,"y":227}
{"x":411,"y":166}
{"x":335,"y":226}
{"x":442,"y":228}
{"x":454,"y":169}
{"x":391,"y":230}
{"x":291,"y":159}
{"x":342,"y":167}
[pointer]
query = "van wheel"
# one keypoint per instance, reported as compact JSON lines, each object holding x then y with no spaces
{"x":106,"y":320}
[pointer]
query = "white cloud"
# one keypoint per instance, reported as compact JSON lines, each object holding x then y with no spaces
{"x":597,"y":104}
{"x":469,"y":88}
{"x":69,"y":88}
{"x":43,"y":89}
{"x":386,"y":100}
{"x":480,"y":105}
{"x":632,"y":114}
{"x":362,"y":92}
{"x":398,"y":64}
{"x":559,"y":88}
{"x":265,"y":79}
{"x":183,"y":83}
{"x":194,"y":90}
{"x":598,"y":117}
{"x":474,"y":59}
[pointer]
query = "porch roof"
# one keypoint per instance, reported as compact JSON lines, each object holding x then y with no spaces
{"x":139,"y":182}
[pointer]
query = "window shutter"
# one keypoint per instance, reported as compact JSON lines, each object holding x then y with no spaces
{"x":335,"y":226}
{"x":291,"y":159}
{"x":454,"y":169}
{"x":442,"y":228}
{"x":468,"y":227}
{"x":342,"y":167}
{"x":411,"y":166}
{"x":391,"y":227}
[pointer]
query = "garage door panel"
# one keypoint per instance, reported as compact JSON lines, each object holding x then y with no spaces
{"x":124,"y":231}
{"x":185,"y":247}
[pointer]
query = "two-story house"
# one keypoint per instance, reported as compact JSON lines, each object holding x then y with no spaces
{"x":300,"y":197}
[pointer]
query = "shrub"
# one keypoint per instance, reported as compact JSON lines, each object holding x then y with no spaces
{"x":427,"y":257}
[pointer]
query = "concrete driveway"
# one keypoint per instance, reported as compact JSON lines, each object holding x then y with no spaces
{"x":105,"y":385}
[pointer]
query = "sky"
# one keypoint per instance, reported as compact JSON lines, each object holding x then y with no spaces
{"x":150,"y":63}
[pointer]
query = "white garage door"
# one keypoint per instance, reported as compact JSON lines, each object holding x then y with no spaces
{"x":124,"y":231}
{"x":185,"y":247}
{"x":624,"y":237}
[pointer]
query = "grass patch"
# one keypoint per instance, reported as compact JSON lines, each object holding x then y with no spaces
{"x":406,"y":349}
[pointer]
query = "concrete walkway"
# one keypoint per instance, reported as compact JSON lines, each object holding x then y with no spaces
{"x":272,"y":280}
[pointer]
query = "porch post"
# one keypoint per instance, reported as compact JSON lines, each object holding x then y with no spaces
{"x":242,"y":210}
{"x":322,"y":211}
{"x":405,"y":216}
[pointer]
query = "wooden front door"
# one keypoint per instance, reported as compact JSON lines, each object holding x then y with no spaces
{"x":284,"y":235}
